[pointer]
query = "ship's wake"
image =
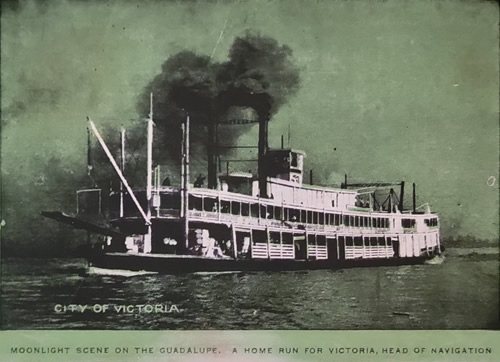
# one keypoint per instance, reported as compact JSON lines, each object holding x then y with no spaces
{"x":117,"y":272}
{"x":437,"y":260}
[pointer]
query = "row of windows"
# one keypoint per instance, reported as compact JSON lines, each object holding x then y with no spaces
{"x":320,"y":240}
{"x":431,"y":222}
{"x":408,"y":223}
{"x":272,"y":212}
{"x":287,"y":238}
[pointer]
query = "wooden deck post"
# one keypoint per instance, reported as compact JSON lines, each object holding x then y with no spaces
{"x":235,"y":246}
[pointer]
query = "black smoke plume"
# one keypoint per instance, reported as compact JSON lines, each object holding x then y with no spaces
{"x":260,"y":73}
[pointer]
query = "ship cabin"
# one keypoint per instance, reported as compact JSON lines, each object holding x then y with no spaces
{"x":295,"y":221}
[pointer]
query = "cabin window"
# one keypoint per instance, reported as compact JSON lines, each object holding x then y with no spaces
{"x":386,"y":222}
{"x":333,"y":203}
{"x":274,"y":237}
{"x":389,"y":241}
{"x":294,"y":162}
{"x":270,"y":212}
{"x":346,"y":220}
{"x":245,"y":209}
{"x":259,"y":236}
{"x":277,"y":213}
{"x":315,"y":217}
{"x":373,"y":241}
{"x":321,"y":218}
{"x":225,"y":206}
{"x":348,"y":241}
{"x":321,"y":240}
{"x":336,"y":219}
{"x":235,"y":208}
{"x":309,"y":217}
{"x":408,"y":223}
{"x":311,"y":239}
{"x":351,"y":221}
{"x":303,"y":216}
{"x":254,"y":210}
{"x":356,"y":221}
{"x":263,"y":212}
{"x":296,"y":215}
{"x":431,"y":222}
{"x":358,"y":241}
{"x":210,"y":205}
{"x":195,"y":203}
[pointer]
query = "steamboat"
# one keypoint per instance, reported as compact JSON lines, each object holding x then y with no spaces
{"x":243,"y":222}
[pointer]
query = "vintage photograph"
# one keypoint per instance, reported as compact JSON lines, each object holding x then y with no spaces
{"x":249,"y":165}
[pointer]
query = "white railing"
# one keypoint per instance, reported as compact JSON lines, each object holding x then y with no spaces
{"x":277,"y":251}
{"x":368,"y":252}
{"x":259,"y":251}
{"x":317,"y":251}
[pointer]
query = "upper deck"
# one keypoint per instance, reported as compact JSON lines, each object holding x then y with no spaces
{"x":291,"y":206}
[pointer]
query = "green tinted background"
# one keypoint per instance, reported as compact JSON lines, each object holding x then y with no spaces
{"x":390,"y":90}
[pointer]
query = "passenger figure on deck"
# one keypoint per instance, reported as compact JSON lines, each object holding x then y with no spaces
{"x":166,"y":181}
{"x":199,"y":181}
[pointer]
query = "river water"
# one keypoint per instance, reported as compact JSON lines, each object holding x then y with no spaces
{"x":460,"y":293}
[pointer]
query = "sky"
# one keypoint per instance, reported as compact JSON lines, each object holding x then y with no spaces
{"x":389,"y":91}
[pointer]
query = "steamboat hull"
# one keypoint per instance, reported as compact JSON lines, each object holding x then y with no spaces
{"x":178,"y":264}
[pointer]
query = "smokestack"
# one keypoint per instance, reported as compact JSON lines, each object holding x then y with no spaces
{"x":391,"y":201}
{"x":263,"y":148}
{"x":401,"y":195}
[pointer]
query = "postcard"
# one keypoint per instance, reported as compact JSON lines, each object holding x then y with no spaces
{"x":249,"y":180}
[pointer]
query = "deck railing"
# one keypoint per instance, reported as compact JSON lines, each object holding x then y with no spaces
{"x":317,"y":251}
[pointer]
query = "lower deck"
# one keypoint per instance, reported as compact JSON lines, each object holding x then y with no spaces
{"x":227,"y":242}
{"x":175,"y":264}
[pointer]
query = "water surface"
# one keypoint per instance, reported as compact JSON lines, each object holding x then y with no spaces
{"x":460,"y":293}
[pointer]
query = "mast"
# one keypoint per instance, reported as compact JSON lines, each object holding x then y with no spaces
{"x":185,"y":179}
{"x":183,"y":164}
{"x":89,"y":153}
{"x":118,"y":171}
{"x":122,"y":167}
{"x":212,"y":155}
{"x":414,"y":198}
{"x":149,"y":181}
